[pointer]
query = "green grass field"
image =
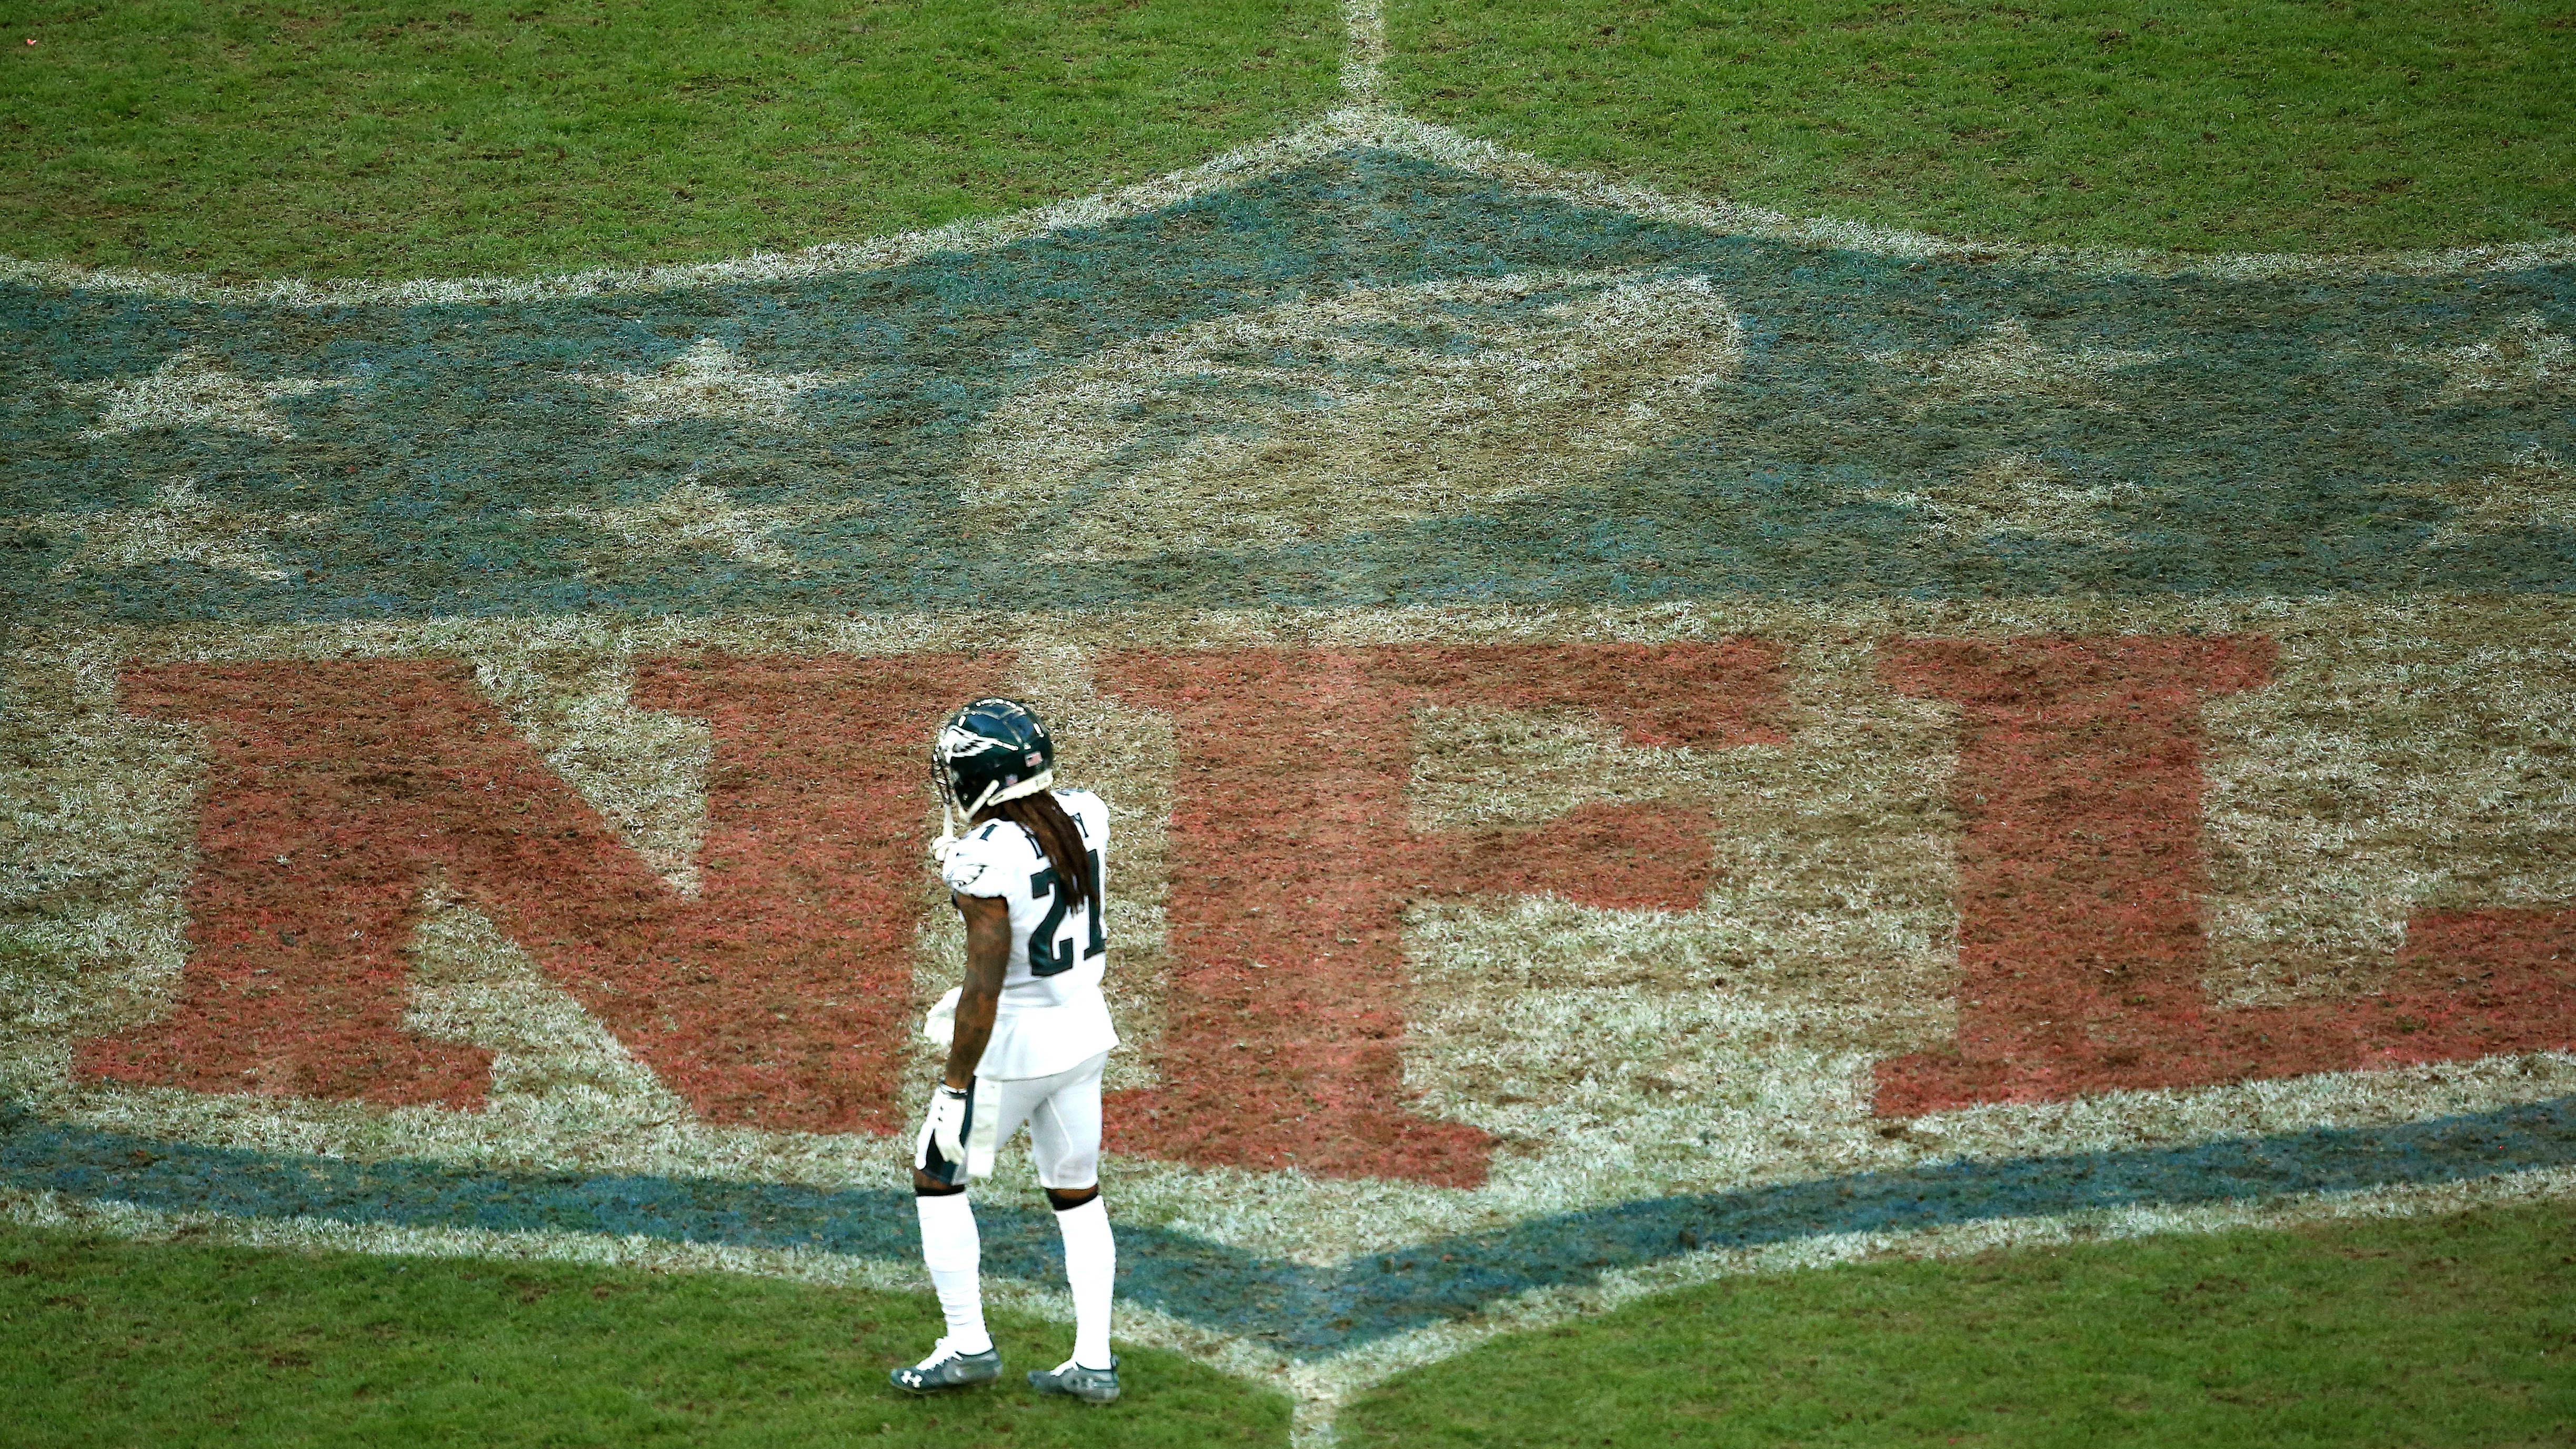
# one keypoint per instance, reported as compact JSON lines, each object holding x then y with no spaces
{"x":105,"y":1342}
{"x":2272,"y":126}
{"x":2441,"y":1331}
{"x":431,"y":140}
{"x":390,"y":139}
{"x":2437,"y":1331}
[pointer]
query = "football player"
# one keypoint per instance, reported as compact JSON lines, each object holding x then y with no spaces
{"x":1027,"y":1035}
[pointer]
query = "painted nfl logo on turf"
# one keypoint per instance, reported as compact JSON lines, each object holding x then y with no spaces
{"x":1636,"y":743}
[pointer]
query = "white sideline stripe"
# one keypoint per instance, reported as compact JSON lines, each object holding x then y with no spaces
{"x":1320,"y":1388}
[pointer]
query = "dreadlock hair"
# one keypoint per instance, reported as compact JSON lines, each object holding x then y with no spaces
{"x":1047,"y":823}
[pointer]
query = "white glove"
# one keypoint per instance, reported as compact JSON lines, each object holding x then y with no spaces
{"x":941,"y":1024}
{"x":947,"y":1129}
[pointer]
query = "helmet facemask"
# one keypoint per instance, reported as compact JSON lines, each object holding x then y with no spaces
{"x":997,"y":748}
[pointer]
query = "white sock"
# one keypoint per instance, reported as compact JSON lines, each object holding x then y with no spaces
{"x":1091,"y":1270}
{"x":953,"y":1252}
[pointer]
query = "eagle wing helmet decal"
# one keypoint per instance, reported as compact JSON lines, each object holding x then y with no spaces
{"x":989,"y":751}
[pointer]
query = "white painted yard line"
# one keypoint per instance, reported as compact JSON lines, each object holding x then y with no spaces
{"x":1364,"y":52}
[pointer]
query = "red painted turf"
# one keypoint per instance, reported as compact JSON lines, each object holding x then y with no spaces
{"x":337,"y":791}
{"x":1293,"y":861}
{"x":2081,"y":874}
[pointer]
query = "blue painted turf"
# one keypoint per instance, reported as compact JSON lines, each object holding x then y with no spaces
{"x":2282,"y":449}
{"x":1305,"y":1311}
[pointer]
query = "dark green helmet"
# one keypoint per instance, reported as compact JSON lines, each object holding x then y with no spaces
{"x":990,"y":751}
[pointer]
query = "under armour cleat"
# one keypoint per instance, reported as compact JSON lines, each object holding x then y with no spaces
{"x":946,"y":1368}
{"x":1091,"y":1385}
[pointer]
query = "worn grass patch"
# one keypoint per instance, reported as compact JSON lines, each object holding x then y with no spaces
{"x":103,"y":1342}
{"x":2196,"y":126}
{"x":2442,"y":1331}
{"x":392,"y":139}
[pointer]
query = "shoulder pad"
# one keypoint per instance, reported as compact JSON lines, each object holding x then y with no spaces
{"x":962,"y":872}
{"x":971,"y":862}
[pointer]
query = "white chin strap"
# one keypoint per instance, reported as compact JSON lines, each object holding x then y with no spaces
{"x":993,"y":794}
{"x":947,"y":840}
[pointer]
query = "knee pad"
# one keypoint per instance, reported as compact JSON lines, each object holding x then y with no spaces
{"x":1065,"y":1202}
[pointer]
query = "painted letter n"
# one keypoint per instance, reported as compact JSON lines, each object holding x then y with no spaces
{"x":337,"y":789}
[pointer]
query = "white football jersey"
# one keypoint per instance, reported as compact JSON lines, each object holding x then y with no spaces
{"x":1052,"y":1015}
